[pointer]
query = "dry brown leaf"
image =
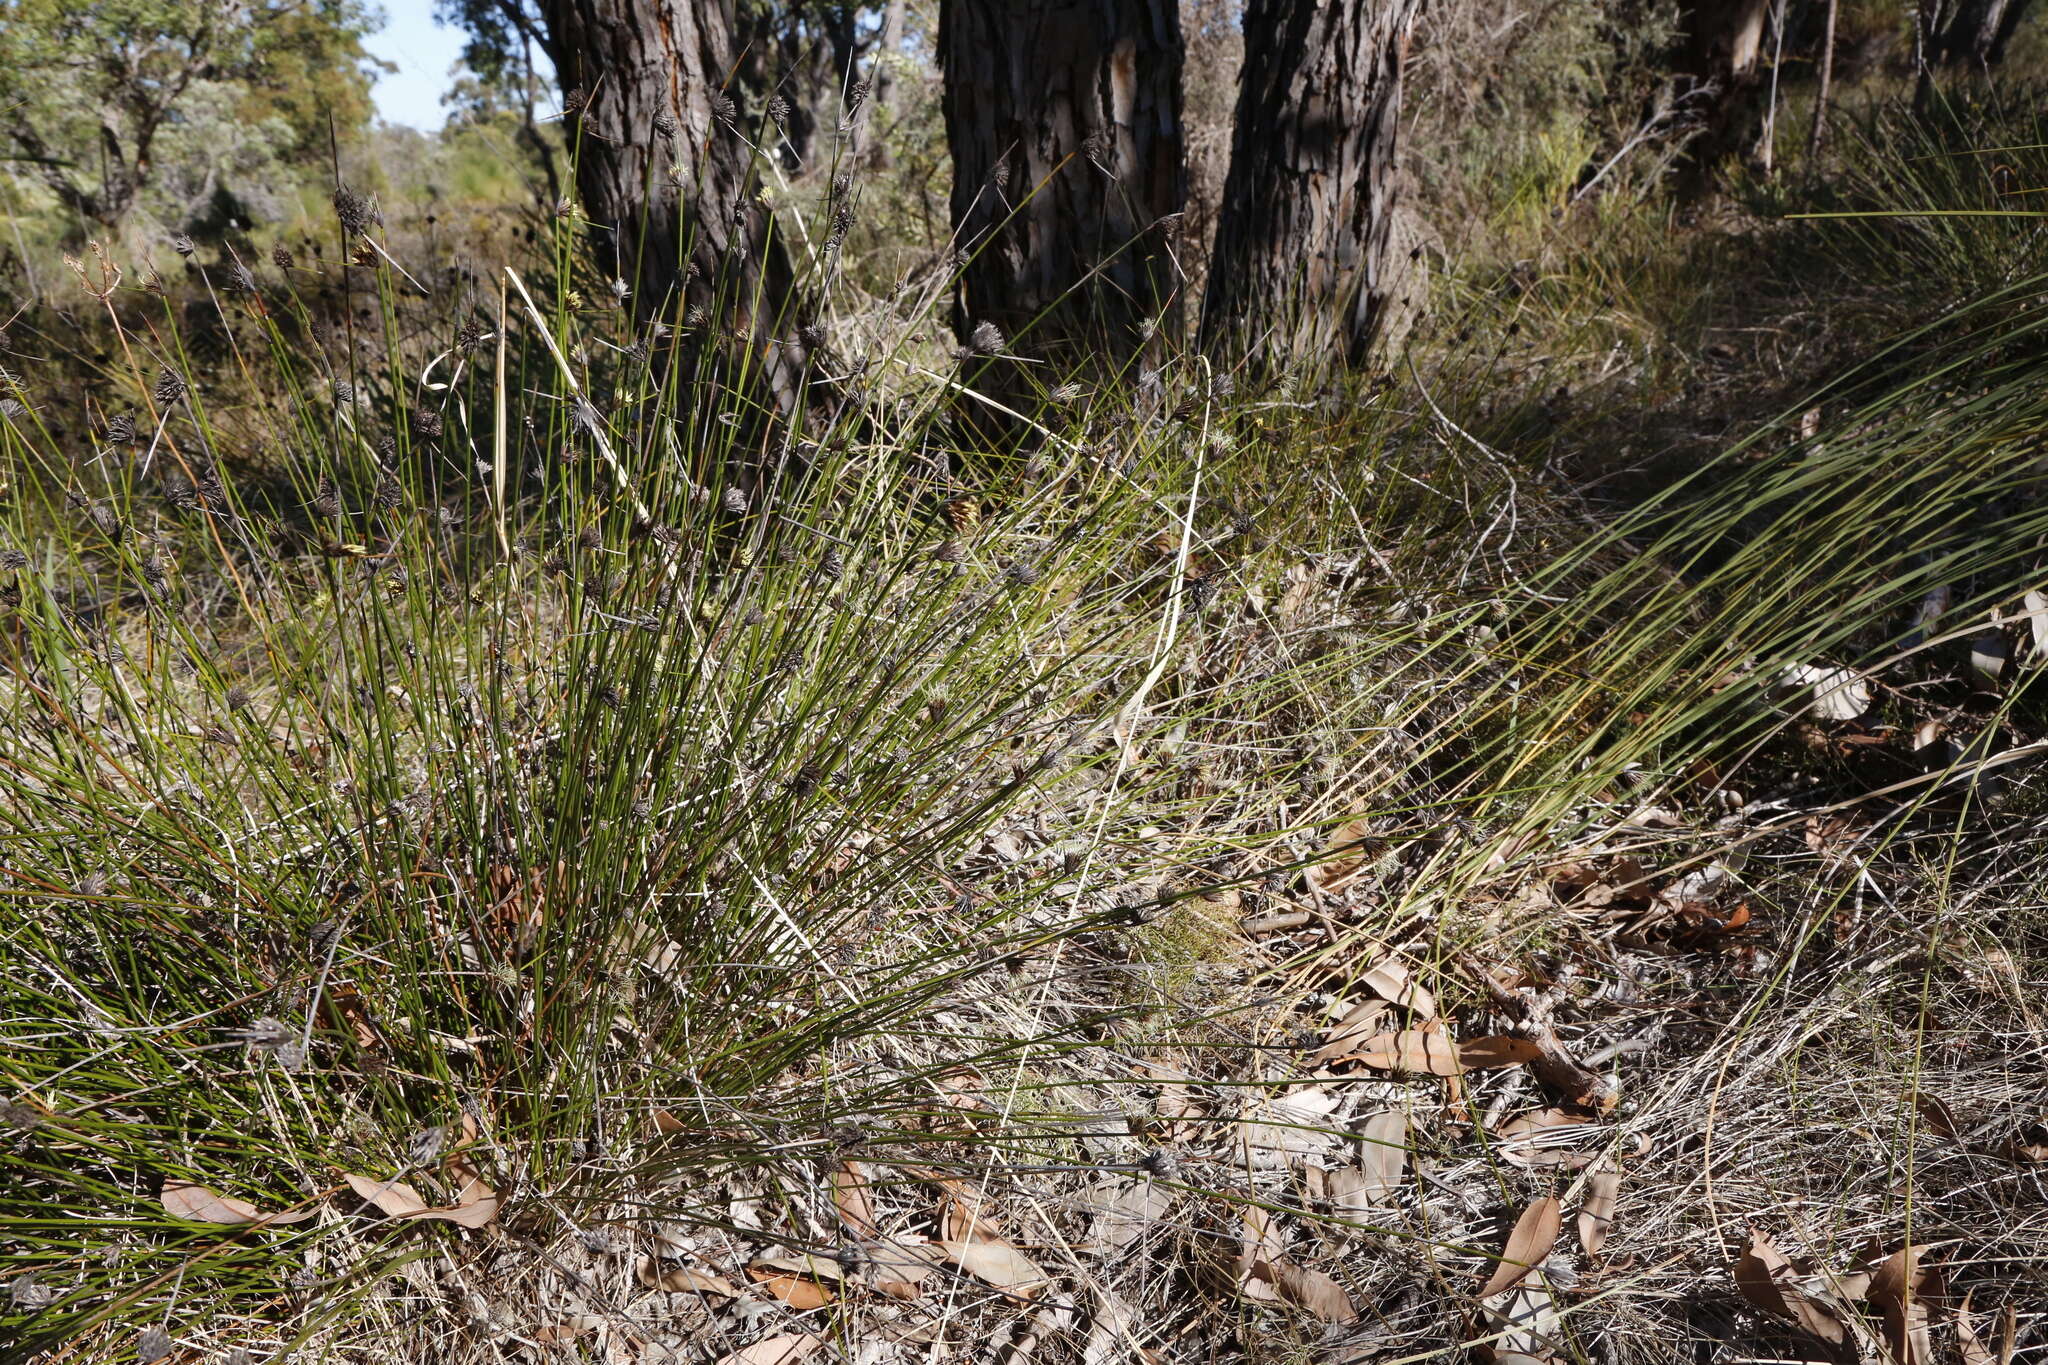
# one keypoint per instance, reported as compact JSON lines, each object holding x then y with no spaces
{"x":1527,"y":1320}
{"x":683,"y":1280}
{"x":1262,"y":1244}
{"x":1596,"y":1213}
{"x":799,"y":1280}
{"x":1308,"y":1289}
{"x":476,"y":1214}
{"x":1535,"y":1233}
{"x":1907,"y":1287}
{"x":570,"y":1330}
{"x":396,"y":1199}
{"x":1940,"y":1119}
{"x":182,"y":1199}
{"x":393,"y":1198}
{"x":1972,"y":1346}
{"x":1481,"y":1054}
{"x":1426,"y":1052}
{"x":1539,"y":1139}
{"x":1343,"y":858}
{"x":1392,"y":981}
{"x":854,"y":1199}
{"x":1770,"y":1281}
{"x":998,"y":1264}
{"x":1288,"y":1129}
{"x":1382,"y":1160}
{"x":786,"y":1349}
{"x":794,"y":1290}
{"x":1358,"y":1023}
{"x":1422,"y":1052}
{"x":1175,"y":1107}
{"x":963,"y":1214}
{"x":898,"y":1266}
{"x":471,"y":1193}
{"x":1123,"y":1209}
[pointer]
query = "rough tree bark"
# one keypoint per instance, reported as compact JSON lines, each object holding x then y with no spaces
{"x":1063,"y":117}
{"x":1720,"y":56}
{"x":1303,"y":243}
{"x":1973,"y":32}
{"x":662,"y":161}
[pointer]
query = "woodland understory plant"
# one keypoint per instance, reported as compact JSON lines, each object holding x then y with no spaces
{"x":504,"y":825}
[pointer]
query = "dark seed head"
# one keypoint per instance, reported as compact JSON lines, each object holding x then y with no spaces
{"x":358,"y":212}
{"x":327,"y":498}
{"x":170,"y":386}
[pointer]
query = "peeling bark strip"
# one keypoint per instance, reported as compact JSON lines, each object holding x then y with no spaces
{"x":1064,"y":121}
{"x":659,"y":171}
{"x":1302,"y":245}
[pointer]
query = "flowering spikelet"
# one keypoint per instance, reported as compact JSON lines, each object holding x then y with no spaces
{"x":426,"y":423}
{"x":985,"y":339}
{"x":121,"y":430}
{"x":963,"y":514}
{"x":170,"y":386}
{"x":212,"y":492}
{"x":358,"y":212}
{"x":281,"y":256}
{"x":426,"y":1144}
{"x":723,"y":109}
{"x":108,"y":521}
{"x":326,"y":498}
{"x":28,"y":1294}
{"x":322,"y":938}
{"x":950,"y":552}
{"x":735,"y":501}
{"x":182,"y":244}
{"x":665,"y":124}
{"x":389,"y":494}
{"x":779,"y":111}
{"x":266,"y":1034}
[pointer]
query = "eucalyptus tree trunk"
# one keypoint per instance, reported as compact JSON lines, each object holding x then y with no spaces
{"x":1721,"y":54}
{"x":1064,"y":120}
{"x":663,"y":163}
{"x":1304,"y":243}
{"x":1975,"y":32}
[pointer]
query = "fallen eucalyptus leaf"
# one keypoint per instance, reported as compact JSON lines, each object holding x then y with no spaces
{"x":182,"y":1199}
{"x":1534,"y":1234}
